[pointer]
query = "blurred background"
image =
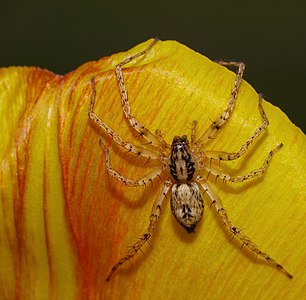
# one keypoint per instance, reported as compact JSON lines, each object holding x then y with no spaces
{"x":269,"y":36}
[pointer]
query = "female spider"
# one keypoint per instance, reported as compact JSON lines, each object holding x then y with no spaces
{"x":182,"y":163}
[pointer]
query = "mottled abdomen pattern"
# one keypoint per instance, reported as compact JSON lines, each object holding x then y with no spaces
{"x":187,"y":204}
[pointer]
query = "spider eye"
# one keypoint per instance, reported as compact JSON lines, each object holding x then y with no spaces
{"x":184,"y":139}
{"x":180,"y":140}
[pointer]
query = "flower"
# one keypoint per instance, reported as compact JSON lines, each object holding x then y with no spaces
{"x":64,"y":222}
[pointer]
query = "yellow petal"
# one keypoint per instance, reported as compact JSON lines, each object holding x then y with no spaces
{"x":64,"y":222}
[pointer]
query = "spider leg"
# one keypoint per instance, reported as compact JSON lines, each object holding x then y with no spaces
{"x":142,"y":181}
{"x":221,"y":120}
{"x":226,"y":177}
{"x":221,"y":155}
{"x":194,"y":125}
{"x":141,"y":129}
{"x":159,"y":135}
{"x":215,"y":200}
{"x":156,"y":212}
{"x":141,"y":151}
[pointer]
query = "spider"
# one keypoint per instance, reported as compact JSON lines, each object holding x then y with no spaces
{"x":181,"y":163}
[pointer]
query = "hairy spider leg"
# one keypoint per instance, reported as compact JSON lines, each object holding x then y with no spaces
{"x":216,"y":202}
{"x":154,"y":140}
{"x":211,"y":132}
{"x":194,"y":125}
{"x":138,"y":150}
{"x":221,"y":155}
{"x":128,"y":182}
{"x":154,"y":217}
{"x":226,"y":177}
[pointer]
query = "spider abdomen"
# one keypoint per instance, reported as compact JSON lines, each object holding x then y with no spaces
{"x":187,"y":204}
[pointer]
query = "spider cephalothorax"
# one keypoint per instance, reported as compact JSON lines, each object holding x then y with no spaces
{"x":182,"y":161}
{"x":182,"y":165}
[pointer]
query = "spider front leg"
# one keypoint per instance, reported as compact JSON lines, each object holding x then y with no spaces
{"x":216,"y":202}
{"x":139,"y":151}
{"x":221,"y":120}
{"x":221,"y":155}
{"x":142,"y":181}
{"x":156,"y":212}
{"x":141,"y":129}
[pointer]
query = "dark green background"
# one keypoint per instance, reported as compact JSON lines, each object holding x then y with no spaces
{"x":269,"y":36}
